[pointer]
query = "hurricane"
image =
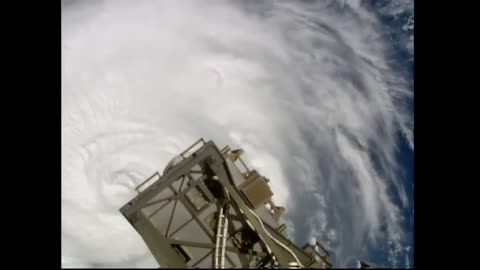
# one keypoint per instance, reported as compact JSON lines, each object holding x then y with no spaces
{"x":305,"y":88}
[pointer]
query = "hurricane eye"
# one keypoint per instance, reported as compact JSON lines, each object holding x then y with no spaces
{"x":115,"y":163}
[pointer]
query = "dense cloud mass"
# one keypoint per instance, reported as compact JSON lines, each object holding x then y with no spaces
{"x":304,"y":87}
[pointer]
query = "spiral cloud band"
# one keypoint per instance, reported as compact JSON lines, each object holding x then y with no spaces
{"x":303,"y":87}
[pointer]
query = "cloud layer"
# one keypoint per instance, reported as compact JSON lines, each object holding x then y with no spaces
{"x":304,"y":89}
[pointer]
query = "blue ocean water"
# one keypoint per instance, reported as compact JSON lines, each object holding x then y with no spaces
{"x":398,"y":29}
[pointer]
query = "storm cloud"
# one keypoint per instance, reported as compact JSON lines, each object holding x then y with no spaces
{"x":304,"y":87}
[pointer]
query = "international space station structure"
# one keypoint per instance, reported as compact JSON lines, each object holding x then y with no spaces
{"x":209,"y":210}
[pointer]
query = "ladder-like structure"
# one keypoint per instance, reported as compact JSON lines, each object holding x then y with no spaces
{"x":221,"y":239}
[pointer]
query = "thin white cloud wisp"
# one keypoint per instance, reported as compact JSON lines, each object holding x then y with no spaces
{"x":304,"y":89}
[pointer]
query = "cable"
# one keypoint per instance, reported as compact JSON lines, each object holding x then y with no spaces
{"x":269,"y":250}
{"x":275,"y":240}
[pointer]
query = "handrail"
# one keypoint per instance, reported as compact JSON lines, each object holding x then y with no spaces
{"x":225,"y":150}
{"x":245,"y":166}
{"x":191,"y":146}
{"x":158,"y":174}
{"x":144,"y":182}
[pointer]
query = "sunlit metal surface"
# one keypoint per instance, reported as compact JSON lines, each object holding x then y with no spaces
{"x":206,"y":212}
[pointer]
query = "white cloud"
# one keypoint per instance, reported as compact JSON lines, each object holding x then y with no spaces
{"x":305,"y":91}
{"x":397,"y":7}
